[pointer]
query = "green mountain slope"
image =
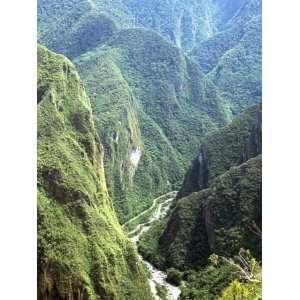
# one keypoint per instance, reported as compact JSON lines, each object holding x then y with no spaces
{"x":185,"y":23}
{"x":154,"y":106}
{"x":232,"y":57}
{"x":189,"y":23}
{"x":224,"y":37}
{"x":74,"y":27}
{"x":223,"y":149}
{"x":164,"y":79}
{"x":233,"y":19}
{"x":221,"y":219}
{"x":219,"y":205}
{"x":238,"y":72}
{"x":82,"y":251}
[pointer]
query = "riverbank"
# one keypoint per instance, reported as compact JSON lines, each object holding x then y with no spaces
{"x":145,"y":215}
{"x":143,"y":222}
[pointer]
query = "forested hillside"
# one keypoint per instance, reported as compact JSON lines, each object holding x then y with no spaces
{"x":152,"y":123}
{"x":169,"y":101}
{"x":218,"y":209}
{"x":232,"y":57}
{"x":82,"y":251}
{"x":228,"y":47}
{"x":224,"y":37}
{"x":153,"y":105}
{"x":223,"y":149}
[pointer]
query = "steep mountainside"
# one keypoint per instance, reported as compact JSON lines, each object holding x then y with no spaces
{"x":82,"y":251}
{"x":238,"y":72}
{"x":224,"y":37}
{"x":208,"y":52}
{"x":227,"y":147}
{"x":221,"y":219}
{"x":163,"y":80}
{"x":189,"y":23}
{"x":232,"y":57}
{"x":185,"y":23}
{"x":72,"y":27}
{"x":154,"y":106}
{"x":219,"y":206}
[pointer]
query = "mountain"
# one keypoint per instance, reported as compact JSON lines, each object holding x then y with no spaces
{"x":189,"y":23}
{"x":209,"y":52}
{"x":223,"y":149}
{"x":221,"y":219}
{"x":72,"y":27}
{"x":223,"y":37}
{"x":169,"y":100}
{"x":219,"y":205}
{"x":238,"y":72}
{"x":154,"y":106}
{"x":185,"y":23}
{"x":232,"y":57}
{"x":82,"y":250}
{"x":151,"y":103}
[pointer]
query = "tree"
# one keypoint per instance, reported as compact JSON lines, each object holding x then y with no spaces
{"x":174,"y":276}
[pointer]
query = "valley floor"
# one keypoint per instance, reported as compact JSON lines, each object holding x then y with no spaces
{"x":158,"y":210}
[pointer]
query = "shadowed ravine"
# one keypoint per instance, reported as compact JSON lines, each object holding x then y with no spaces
{"x":156,"y":276}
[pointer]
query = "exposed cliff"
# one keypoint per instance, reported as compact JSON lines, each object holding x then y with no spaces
{"x":82,"y":251}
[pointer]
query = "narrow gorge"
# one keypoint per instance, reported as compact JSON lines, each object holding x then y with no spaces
{"x":149,"y":150}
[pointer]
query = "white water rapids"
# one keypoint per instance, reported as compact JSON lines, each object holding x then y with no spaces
{"x":157,"y":276}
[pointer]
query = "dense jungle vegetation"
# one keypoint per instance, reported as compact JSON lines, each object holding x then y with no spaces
{"x":137,"y":99}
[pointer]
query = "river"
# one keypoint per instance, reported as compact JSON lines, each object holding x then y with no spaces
{"x":156,"y":276}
